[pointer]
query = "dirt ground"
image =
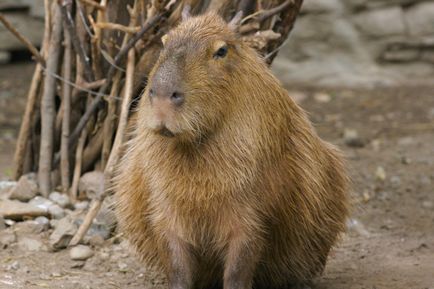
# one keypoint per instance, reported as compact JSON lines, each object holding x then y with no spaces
{"x":390,"y":243}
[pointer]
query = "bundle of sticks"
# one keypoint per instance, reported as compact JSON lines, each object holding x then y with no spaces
{"x":92,"y":66}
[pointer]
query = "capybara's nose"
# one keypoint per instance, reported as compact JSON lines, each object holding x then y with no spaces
{"x":176,"y":97}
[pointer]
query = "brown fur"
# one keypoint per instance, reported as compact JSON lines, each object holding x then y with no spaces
{"x":245,"y":194}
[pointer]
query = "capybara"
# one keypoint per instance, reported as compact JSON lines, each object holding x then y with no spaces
{"x":224,"y":182}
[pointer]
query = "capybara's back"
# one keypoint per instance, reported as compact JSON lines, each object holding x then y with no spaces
{"x":224,"y":181}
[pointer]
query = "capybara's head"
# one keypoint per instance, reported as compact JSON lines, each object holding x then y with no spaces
{"x":191,"y":86}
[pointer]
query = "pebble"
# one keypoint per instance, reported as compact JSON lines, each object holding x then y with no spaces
{"x":357,"y":227}
{"x":81,"y":205}
{"x":41,"y":202}
{"x":352,"y":138}
{"x":56,"y":212}
{"x":396,"y":181}
{"x":14,"y":266}
{"x":60,"y":199}
{"x":91,"y":184}
{"x":44,"y":222}
{"x":29,"y":244}
{"x":29,"y":227}
{"x":7,"y":238}
{"x":322,"y":97}
{"x":405,"y":160}
{"x":26,"y":188}
{"x":64,"y":231}
{"x":380,"y":173}
{"x":427,"y":204}
{"x":80,"y":253}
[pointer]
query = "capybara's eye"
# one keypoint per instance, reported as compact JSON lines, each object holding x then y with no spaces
{"x":221,"y":52}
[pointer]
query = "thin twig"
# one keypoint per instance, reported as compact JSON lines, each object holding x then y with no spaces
{"x":119,"y":57}
{"x":66,"y":99}
{"x":78,"y":162}
{"x":273,"y":11}
{"x":23,"y":39}
{"x":116,"y":26}
{"x":24,"y":133}
{"x":76,"y":43}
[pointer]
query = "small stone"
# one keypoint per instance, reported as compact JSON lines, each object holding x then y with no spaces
{"x":123,"y":267}
{"x":396,"y":181}
{"x":5,"y":57}
{"x":60,"y":199}
{"x":366,"y":196}
{"x":322,"y":97}
{"x":371,"y":22}
{"x":91,"y":184}
{"x":14,"y":266}
{"x":420,"y":19}
{"x":80,"y":253}
{"x":63,"y":233}
{"x":16,"y":210}
{"x":26,"y":188}
{"x":405,"y":160}
{"x":41,"y":202}
{"x":380,"y":173}
{"x":96,"y":241}
{"x":427,"y":204}
{"x":352,"y":138}
{"x":44,"y":222}
{"x":7,"y":238}
{"x":81,"y":205}
{"x":29,"y":227}
{"x":10,"y":222}
{"x":406,"y":141}
{"x":56,"y":212}
{"x":357,"y":227}
{"x":29,"y":244}
{"x":376,"y":145}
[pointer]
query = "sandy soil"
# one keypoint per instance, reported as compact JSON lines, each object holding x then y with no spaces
{"x":392,"y":245}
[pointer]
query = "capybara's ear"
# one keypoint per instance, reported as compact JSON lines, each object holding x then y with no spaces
{"x":186,"y":12}
{"x":235,"y":22}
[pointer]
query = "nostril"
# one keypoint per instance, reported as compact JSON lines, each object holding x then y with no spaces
{"x":151,"y":92}
{"x":177,"y":98}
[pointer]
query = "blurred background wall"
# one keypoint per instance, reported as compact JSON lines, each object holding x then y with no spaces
{"x":334,"y":42}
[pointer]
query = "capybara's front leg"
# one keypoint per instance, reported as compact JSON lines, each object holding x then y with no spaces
{"x":241,"y":261}
{"x":182,"y":263}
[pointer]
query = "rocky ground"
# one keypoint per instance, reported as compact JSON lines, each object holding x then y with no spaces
{"x":387,"y":135}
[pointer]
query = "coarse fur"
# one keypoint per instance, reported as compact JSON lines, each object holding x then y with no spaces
{"x":244,"y":193}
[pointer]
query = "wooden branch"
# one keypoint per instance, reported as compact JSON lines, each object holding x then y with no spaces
{"x":116,"y":26}
{"x":23,"y":40}
{"x":48,"y":107}
{"x":109,"y":121}
{"x":114,"y":156}
{"x":119,"y":57}
{"x":26,"y":123}
{"x":77,"y":168}
{"x":66,"y":99}
{"x":76,"y":43}
{"x":263,"y":15}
